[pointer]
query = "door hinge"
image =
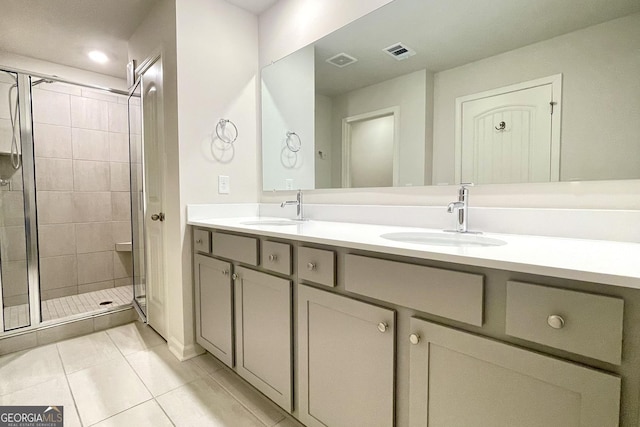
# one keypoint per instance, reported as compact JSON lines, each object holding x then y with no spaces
{"x":552,"y":103}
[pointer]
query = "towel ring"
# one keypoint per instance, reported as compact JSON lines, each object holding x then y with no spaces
{"x":291,"y":144}
{"x":220,"y":126}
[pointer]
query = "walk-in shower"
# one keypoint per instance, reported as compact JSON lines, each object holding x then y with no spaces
{"x":65,"y":209}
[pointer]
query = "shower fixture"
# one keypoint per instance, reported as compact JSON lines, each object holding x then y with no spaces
{"x":13,"y":116}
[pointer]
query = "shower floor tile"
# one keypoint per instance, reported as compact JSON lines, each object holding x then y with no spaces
{"x":57,"y":308}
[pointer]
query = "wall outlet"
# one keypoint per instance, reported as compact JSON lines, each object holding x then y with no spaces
{"x":223,"y":184}
{"x":288,"y":184}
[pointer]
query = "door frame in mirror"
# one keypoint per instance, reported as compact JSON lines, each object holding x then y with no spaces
{"x":556,"y":110}
{"x":346,"y":141}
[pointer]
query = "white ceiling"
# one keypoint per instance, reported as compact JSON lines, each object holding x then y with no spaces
{"x":448,"y":34}
{"x":64,"y":31}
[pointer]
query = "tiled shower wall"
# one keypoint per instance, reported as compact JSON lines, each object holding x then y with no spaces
{"x":82,"y":182}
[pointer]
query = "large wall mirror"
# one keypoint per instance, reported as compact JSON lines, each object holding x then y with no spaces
{"x":438,"y":92}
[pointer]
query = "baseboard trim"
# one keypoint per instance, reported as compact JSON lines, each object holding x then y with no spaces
{"x":184,"y":352}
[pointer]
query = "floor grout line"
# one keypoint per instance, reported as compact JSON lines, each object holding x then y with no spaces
{"x":118,"y":413}
{"x":66,"y":378}
{"x":246,"y":402}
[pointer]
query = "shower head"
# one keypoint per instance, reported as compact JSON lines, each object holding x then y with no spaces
{"x":37,"y":82}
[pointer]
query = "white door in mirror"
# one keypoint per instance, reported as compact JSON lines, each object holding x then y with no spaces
{"x":507,"y":137}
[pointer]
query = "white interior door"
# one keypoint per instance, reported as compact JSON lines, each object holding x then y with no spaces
{"x":508,"y":136}
{"x":369,"y":150}
{"x":154,"y":176}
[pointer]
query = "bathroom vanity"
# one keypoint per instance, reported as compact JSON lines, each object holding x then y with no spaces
{"x":341,"y":327}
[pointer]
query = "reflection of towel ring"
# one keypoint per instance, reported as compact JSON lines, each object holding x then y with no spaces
{"x":220,"y":126}
{"x":291,"y":144}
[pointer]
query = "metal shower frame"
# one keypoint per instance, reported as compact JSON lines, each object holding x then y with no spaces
{"x":25,"y":118}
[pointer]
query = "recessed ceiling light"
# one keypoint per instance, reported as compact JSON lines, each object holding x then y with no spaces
{"x":99,"y":57}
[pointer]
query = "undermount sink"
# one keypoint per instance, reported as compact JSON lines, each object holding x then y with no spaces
{"x":443,"y":239}
{"x":272,"y":222}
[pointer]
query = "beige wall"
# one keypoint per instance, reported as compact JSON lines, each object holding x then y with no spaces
{"x":409,"y":94}
{"x":323,"y":141}
{"x":217,"y":78}
{"x":287,"y":27}
{"x":217,"y":46}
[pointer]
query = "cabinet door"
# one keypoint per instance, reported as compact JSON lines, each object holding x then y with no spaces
{"x":214,"y":307}
{"x":264,"y":334}
{"x":346,"y":361}
{"x":460,"y":379}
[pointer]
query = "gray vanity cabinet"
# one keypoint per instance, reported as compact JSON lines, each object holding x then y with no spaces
{"x":214,"y":307}
{"x":505,"y":351}
{"x":264,"y":333}
{"x":461,"y":379}
{"x":345,"y":361}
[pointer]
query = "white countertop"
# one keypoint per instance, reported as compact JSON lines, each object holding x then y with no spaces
{"x":599,"y":261}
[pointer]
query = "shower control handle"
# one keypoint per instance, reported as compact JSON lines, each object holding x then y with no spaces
{"x":158,"y":217}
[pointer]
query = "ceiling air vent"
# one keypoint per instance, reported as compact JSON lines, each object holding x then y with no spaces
{"x":399,"y":51}
{"x":341,"y":60}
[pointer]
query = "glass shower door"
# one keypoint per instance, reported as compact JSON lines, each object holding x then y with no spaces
{"x":137,"y":200}
{"x":14,"y":272}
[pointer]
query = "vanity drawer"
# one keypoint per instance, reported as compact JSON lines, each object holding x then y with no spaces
{"x":317,"y":265}
{"x":237,"y":248}
{"x":276,"y":257}
{"x":202,"y":241}
{"x":586,"y":324}
{"x":451,"y":294}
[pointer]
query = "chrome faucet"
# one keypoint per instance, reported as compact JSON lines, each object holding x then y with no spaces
{"x":462,"y":206}
{"x":298,"y":203}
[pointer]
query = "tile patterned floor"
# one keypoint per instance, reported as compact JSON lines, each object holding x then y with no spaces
{"x":126,"y":376}
{"x":58,"y":308}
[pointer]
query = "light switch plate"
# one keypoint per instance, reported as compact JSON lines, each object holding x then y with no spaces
{"x":223,"y":184}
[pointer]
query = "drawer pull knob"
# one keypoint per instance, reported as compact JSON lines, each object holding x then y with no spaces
{"x":273,"y":257}
{"x":383,"y":327}
{"x":234,"y":276}
{"x":225,"y":272}
{"x":555,"y":321}
{"x":199,"y":241}
{"x":311,"y":266}
{"x":414,"y":339}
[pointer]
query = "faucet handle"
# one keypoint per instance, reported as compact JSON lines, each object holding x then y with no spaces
{"x":467,"y":184}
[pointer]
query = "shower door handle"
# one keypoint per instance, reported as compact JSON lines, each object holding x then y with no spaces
{"x":158,"y":216}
